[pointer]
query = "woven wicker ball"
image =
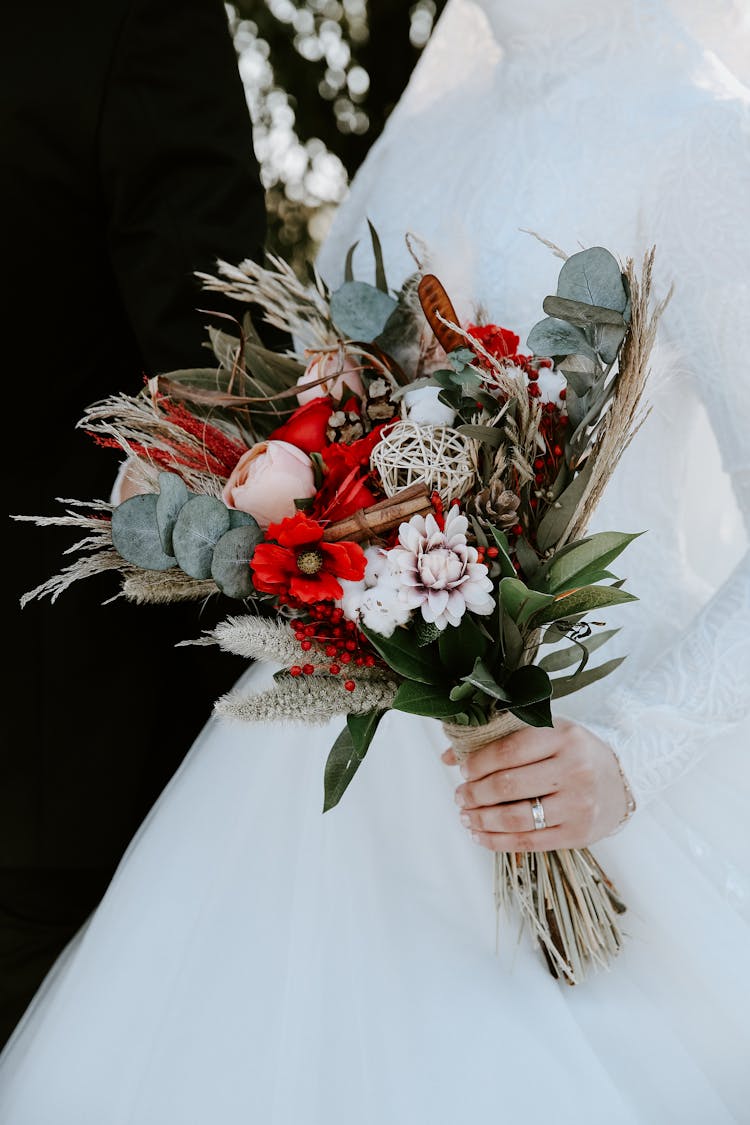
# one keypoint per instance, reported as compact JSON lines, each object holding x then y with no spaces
{"x":439,"y":456}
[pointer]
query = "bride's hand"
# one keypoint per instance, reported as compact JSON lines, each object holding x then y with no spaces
{"x":573,"y":772}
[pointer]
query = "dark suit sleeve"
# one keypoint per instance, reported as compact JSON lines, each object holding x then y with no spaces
{"x":179,"y":176}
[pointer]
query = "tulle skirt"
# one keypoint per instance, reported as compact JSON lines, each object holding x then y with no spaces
{"x":256,"y":960}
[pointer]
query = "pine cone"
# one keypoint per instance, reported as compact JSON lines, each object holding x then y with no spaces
{"x":344,"y":425}
{"x":378,"y":406}
{"x":496,"y":506}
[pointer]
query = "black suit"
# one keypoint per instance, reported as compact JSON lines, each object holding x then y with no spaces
{"x":127,"y":164}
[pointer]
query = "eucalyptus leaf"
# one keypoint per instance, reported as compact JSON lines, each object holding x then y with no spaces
{"x":565,"y":685}
{"x":593,"y":277}
{"x":240,"y":519}
{"x":199,"y":526}
{"x":360,"y":311}
{"x":553,"y":337}
{"x":491,"y":435}
{"x":346,"y":755}
{"x":135,"y":533}
{"x":566,"y":657}
{"x":230,"y":562}
{"x":608,"y":341}
{"x":173,"y":494}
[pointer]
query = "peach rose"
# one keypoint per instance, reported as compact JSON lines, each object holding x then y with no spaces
{"x":336,"y":371}
{"x":267,"y":480}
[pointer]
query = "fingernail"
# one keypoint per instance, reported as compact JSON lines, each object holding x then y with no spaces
{"x":460,"y":799}
{"x":465,"y":820}
{"x":464,"y":771}
{"x":475,"y":838}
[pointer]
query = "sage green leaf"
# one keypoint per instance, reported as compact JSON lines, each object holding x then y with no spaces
{"x":230,"y":562}
{"x":240,"y":519}
{"x":528,"y":684}
{"x":462,"y":691}
{"x":173,"y":494}
{"x":360,"y":311}
{"x":349,"y":263}
{"x":481,"y":677}
{"x":580,"y":373}
{"x":428,"y":700}
{"x":135,"y":533}
{"x":461,"y":645}
{"x":565,"y":685}
{"x":377,"y":250}
{"x":608,"y":340}
{"x":402,"y":653}
{"x":585,"y":559}
{"x":555,"y":521}
{"x":491,"y":435}
{"x":201,"y":523}
{"x":346,"y":755}
{"x":593,"y":277}
{"x":581,"y":601}
{"x":566,"y":657}
{"x":528,"y":559}
{"x":580,"y":313}
{"x":553,"y":337}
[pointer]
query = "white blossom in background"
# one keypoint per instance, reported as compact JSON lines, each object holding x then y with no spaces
{"x":437,"y":572}
{"x":550,"y":383}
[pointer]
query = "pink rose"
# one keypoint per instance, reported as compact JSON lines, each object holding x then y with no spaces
{"x":267,"y":480}
{"x":337,"y":370}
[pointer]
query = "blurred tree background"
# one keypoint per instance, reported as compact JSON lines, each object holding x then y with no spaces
{"x":321,"y":78}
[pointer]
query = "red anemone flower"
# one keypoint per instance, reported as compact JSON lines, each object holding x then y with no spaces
{"x":298,"y":566}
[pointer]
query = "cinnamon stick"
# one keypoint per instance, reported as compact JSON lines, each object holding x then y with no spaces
{"x":370,"y":523}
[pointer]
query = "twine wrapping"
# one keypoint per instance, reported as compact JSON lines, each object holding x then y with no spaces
{"x":563,"y":897}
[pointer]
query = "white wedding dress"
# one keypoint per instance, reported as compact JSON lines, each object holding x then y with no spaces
{"x":257,"y":961}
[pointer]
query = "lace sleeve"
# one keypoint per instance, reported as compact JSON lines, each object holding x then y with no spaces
{"x":697,"y":693}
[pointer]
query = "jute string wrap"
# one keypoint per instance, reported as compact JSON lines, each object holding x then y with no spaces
{"x":562,"y":897}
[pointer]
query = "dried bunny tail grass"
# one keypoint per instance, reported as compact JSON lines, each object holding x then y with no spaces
{"x":136,"y":421}
{"x":257,"y":638}
{"x":627,"y":411}
{"x":82,"y":568}
{"x":160,"y":587}
{"x":287,"y":303}
{"x":307,"y":699}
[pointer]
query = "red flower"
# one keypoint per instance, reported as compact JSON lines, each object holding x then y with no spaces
{"x":499,"y":342}
{"x":306,"y":428}
{"x":346,"y":488}
{"x":300,"y":567}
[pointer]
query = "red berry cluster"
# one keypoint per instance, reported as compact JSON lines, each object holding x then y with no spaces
{"x":336,"y":645}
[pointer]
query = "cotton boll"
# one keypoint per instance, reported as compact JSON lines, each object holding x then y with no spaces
{"x":424,"y":407}
{"x":551,"y":381}
{"x":382,"y":610}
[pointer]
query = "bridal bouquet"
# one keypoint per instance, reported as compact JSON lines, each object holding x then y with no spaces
{"x":399,"y":506}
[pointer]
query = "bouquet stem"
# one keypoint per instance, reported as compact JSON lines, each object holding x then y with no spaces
{"x":563,"y":898}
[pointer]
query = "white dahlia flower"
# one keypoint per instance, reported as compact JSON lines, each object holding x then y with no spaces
{"x":437,"y":572}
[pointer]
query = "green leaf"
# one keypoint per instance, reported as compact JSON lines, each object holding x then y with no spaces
{"x":481,"y":677}
{"x":360,"y":311}
{"x":535,"y":714}
{"x":553,"y":337}
{"x":521,"y":602}
{"x":135,"y":533}
{"x":425,"y":632}
{"x":556,"y":519}
{"x":173,"y":494}
{"x":580,"y":373}
{"x":377,"y":250}
{"x":565,"y":657}
{"x":425,"y":699}
{"x":346,"y":755}
{"x":565,"y":685}
{"x":528,"y":684}
{"x":593,"y":277}
{"x":608,"y":340}
{"x":581,"y":601}
{"x":512,"y":642}
{"x":507,"y":569}
{"x":491,"y":435}
{"x":349,"y":263}
{"x":230,"y":562}
{"x":403,"y":654}
{"x":199,"y":526}
{"x":461,"y":645}
{"x":462,"y":691}
{"x":528,"y":559}
{"x":585,"y":558}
